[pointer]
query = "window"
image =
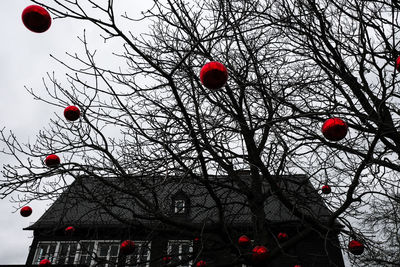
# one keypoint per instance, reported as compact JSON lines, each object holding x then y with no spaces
{"x":180,"y":250}
{"x":141,"y":256}
{"x":179,"y":206}
{"x":107,"y":254}
{"x":45,"y":250}
{"x":67,"y":253}
{"x":85,"y":254}
{"x":100,"y":253}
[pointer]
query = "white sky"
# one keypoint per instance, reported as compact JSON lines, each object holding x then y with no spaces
{"x":24,"y":60}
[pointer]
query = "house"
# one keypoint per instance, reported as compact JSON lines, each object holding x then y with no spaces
{"x":174,"y":221}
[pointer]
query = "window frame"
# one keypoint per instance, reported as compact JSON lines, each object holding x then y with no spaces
{"x":137,"y":255}
{"x":78,"y":253}
{"x":180,"y":242}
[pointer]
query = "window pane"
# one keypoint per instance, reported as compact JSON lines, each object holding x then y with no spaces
{"x":86,"y":251}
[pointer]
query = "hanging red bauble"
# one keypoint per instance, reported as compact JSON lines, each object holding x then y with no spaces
{"x":334,"y":129}
{"x":52,"y":161}
{"x":398,"y":64}
{"x":166,"y":259}
{"x":127,"y":247}
{"x":283,"y":236}
{"x":297,"y":265}
{"x":260,"y":254}
{"x":36,"y":18}
{"x":196,"y":240}
{"x":201,"y":264}
{"x":45,"y":262}
{"x":356,"y":247}
{"x":326,"y":189}
{"x":25,"y":211}
{"x":213,"y":75}
{"x":69,"y":230}
{"x":72,"y":113}
{"x":244,"y":241}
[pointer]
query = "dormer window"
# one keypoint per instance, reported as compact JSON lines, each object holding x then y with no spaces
{"x":180,"y":206}
{"x":180,"y":203}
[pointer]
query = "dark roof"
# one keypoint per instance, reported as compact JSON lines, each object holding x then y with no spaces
{"x":88,"y":201}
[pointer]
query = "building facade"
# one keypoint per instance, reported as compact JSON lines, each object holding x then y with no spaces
{"x":103,"y":216}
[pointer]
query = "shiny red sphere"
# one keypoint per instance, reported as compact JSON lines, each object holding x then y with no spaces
{"x":334,"y":129}
{"x":72,"y":113}
{"x":201,"y":264}
{"x":52,"y":161}
{"x":260,"y":254}
{"x":36,"y":18}
{"x":398,"y":64}
{"x":213,"y":75}
{"x":356,"y":247}
{"x":69,"y":230}
{"x":283,"y":236}
{"x":326,"y":189}
{"x":196,"y":239}
{"x":25,"y":211}
{"x":166,"y":259}
{"x":297,"y":265}
{"x":127,"y":247}
{"x":244,"y":241}
{"x":45,"y":262}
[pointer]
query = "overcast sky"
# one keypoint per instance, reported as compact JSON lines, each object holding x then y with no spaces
{"x":24,"y":60}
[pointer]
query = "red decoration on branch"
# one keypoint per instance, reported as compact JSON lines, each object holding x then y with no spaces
{"x":213,"y":75}
{"x":356,"y":247}
{"x":326,"y":189}
{"x":283,"y":237}
{"x":36,"y":18}
{"x":52,"y":161}
{"x":244,"y":241}
{"x":45,"y":262}
{"x":69,"y":230}
{"x":201,"y":264}
{"x":260,"y":254}
{"x":127,"y":247}
{"x":196,"y":240}
{"x":72,"y":113}
{"x":398,"y":64}
{"x":166,"y":259}
{"x":25,"y":211}
{"x":334,"y":129}
{"x":297,"y":265}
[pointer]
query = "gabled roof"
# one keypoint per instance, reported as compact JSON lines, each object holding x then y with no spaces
{"x":89,"y":202}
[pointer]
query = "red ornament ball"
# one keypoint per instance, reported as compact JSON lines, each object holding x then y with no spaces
{"x":297,"y":265}
{"x":283,"y":236}
{"x":326,"y":189}
{"x":356,"y":247}
{"x":52,"y":161}
{"x":36,"y":18}
{"x":398,"y":64}
{"x":196,"y":240}
{"x":201,"y":264}
{"x":244,"y":241}
{"x":45,"y":262}
{"x":72,"y":113}
{"x":166,"y":259}
{"x":213,"y":75}
{"x":260,"y":254}
{"x":334,"y":129}
{"x":127,"y":247}
{"x":25,"y":211}
{"x":69,"y":230}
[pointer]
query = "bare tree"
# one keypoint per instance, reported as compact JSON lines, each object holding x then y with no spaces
{"x":292,"y":65}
